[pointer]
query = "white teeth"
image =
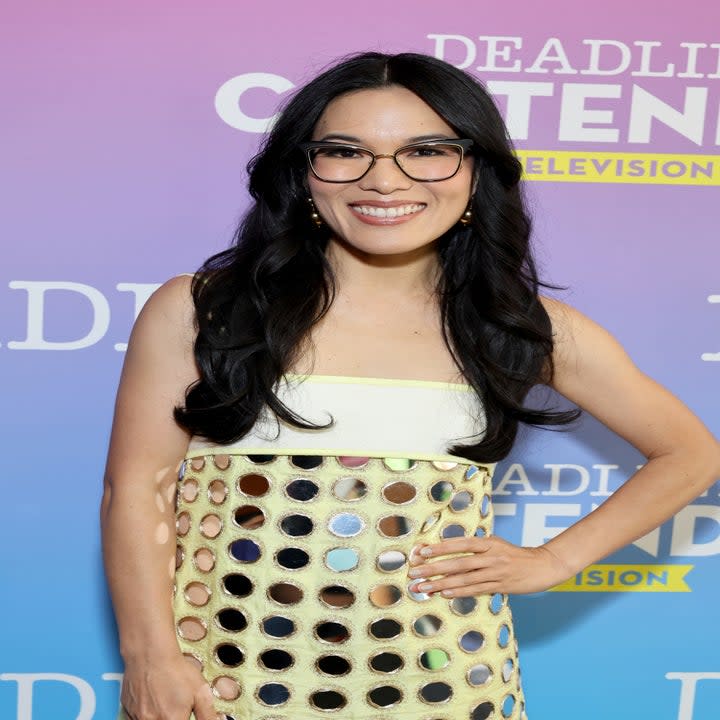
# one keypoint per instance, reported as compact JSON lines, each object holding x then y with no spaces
{"x":387,"y":212}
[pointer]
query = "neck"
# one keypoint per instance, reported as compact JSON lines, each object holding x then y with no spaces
{"x":409,"y":274}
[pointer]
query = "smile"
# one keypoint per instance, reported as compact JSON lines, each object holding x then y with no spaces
{"x":387,"y":212}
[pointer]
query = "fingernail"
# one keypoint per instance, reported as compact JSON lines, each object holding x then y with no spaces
{"x":424,"y":587}
{"x":415,"y":573}
{"x":448,"y":593}
{"x":426,"y":551}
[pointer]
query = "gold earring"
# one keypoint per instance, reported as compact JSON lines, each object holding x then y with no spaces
{"x":466,"y":216}
{"x":314,"y":215}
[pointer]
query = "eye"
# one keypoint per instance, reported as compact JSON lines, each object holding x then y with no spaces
{"x":433,"y":150}
{"x":338,"y":151}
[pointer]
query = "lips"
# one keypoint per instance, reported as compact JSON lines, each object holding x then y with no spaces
{"x":386,"y":213}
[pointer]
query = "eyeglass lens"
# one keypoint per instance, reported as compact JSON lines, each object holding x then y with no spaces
{"x":420,"y":162}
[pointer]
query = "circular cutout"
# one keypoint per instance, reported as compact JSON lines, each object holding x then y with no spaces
{"x":399,"y":464}
{"x":429,"y":521}
{"x":237,"y":585}
{"x":229,"y":655}
{"x":346,"y":525}
{"x":260,"y":459}
{"x":471,"y":641}
{"x":385,"y":596}
{"x":226,"y":688}
{"x":434,"y":659}
{"x":222,"y":462}
{"x":416,"y":594}
{"x":217,"y":492}
{"x":292,"y":558}
{"x":461,"y":500}
{"x":285,"y":593}
{"x":393,"y":526}
{"x":485,"y":505}
{"x":307,"y":462}
{"x":333,"y":665}
{"x":385,"y":629}
{"x":441,"y":491}
{"x":182,"y":524}
{"x":349,"y":489}
{"x":507,"y":670}
{"x":301,"y":490}
{"x":479,"y":675}
{"x":231,"y":620}
{"x":483,"y":711}
{"x":436,"y":692}
{"x":337,"y":596}
{"x":463,"y":605}
{"x":244,"y":550}
{"x":399,"y":493}
{"x":331,"y":632}
{"x":210,"y":526}
{"x":386,"y":662}
{"x":253,"y":485}
{"x":390,"y":560}
{"x":277,"y":626}
{"x":328,"y":700}
{"x":443,"y":465}
{"x":503,"y":636}
{"x":197,"y":463}
{"x":273,"y":694}
{"x":197,"y":593}
{"x":276,"y":659}
{"x":508,"y":705}
{"x":191,"y":628}
{"x":204,"y":559}
{"x":352,"y":461}
{"x":452,"y":531}
{"x":179,"y":556}
{"x":384,"y":696}
{"x":189,"y":491}
{"x":249,"y":517}
{"x":342,"y":559}
{"x":427,"y":625}
{"x":296,"y":525}
{"x":496,"y":603}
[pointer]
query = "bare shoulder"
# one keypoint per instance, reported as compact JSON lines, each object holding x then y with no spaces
{"x":159,"y":367}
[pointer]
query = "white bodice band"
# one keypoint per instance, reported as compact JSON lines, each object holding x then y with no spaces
{"x":371,"y":417}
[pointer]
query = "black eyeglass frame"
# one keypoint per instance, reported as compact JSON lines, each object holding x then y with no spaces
{"x":463,"y":143}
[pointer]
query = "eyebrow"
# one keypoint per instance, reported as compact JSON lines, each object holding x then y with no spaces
{"x":418,"y":138}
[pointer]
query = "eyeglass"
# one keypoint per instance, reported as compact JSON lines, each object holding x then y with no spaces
{"x":429,"y":161}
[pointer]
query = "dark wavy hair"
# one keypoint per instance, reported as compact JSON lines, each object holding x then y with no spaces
{"x":257,"y":301}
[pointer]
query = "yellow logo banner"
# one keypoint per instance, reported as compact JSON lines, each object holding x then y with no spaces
{"x":619,"y":167}
{"x":628,"y":578}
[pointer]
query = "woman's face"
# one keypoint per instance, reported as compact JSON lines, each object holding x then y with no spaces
{"x":359,"y":213}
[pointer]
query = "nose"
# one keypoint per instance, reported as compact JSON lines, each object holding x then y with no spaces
{"x":385,"y":176}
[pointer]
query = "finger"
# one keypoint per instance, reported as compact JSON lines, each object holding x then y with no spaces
{"x":454,"y":582}
{"x":482,"y":588}
{"x":204,"y":707}
{"x":472,"y":543}
{"x":462,"y":564}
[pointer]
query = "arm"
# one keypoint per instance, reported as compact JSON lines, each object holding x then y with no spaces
{"x":138,"y":509}
{"x":593,"y":371}
{"x":683,"y":459}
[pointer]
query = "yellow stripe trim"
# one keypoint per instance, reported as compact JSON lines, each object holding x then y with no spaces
{"x":580,"y":166}
{"x":391,"y":382}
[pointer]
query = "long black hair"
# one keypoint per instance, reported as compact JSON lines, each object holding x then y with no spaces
{"x":257,"y":301}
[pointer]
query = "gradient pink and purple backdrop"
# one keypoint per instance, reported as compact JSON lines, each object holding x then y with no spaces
{"x":117,"y":168}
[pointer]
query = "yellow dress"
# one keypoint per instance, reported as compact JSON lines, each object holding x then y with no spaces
{"x":292,"y":592}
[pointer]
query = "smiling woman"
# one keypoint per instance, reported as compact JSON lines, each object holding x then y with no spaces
{"x":329,"y":397}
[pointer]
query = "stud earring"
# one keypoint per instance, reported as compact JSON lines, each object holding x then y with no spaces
{"x":314,"y":215}
{"x":466,"y":216}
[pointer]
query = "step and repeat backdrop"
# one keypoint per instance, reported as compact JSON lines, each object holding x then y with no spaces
{"x":126,"y":128}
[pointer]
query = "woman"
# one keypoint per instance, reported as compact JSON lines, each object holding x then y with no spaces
{"x":340,"y":383}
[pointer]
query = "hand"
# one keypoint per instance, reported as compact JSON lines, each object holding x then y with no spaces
{"x":487,"y":565}
{"x":166,"y":689}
